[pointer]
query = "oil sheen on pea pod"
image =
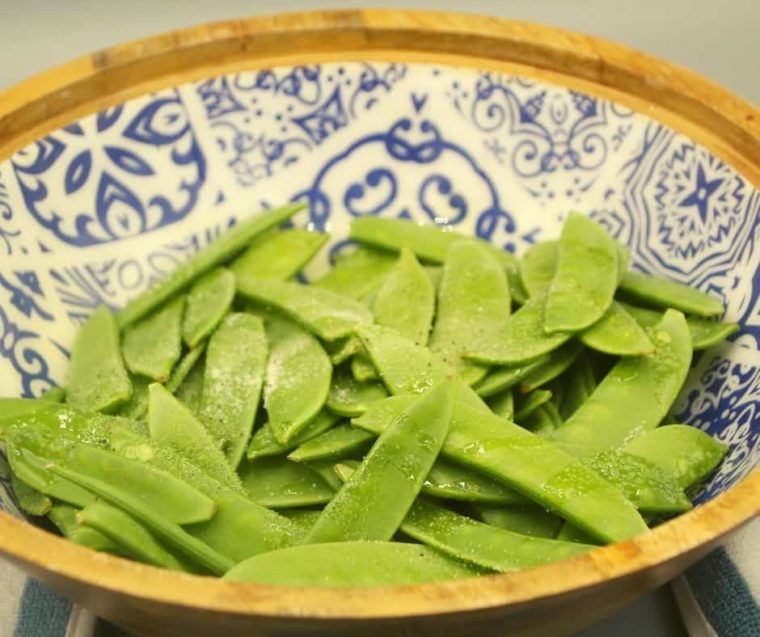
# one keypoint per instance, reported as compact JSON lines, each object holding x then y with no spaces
{"x":279,"y":255}
{"x":219,"y":251}
{"x":528,"y":519}
{"x":349,"y":564}
{"x":97,"y":379}
{"x":234,"y":373}
{"x":208,"y":301}
{"x":617,"y":333}
{"x":298,"y":376}
{"x":358,"y":273}
{"x":153,"y":345}
{"x":325,"y":313}
{"x":278,"y":483}
{"x":264,"y":444}
{"x":473,"y":301}
{"x":397,"y":464}
{"x":664,"y":293}
{"x":635,"y":395}
{"x":686,"y":453}
{"x":585,"y":279}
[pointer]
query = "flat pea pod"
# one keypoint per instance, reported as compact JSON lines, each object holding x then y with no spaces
{"x":234,"y":374}
{"x":527,"y":520}
{"x":131,"y":537}
{"x":302,"y":518}
{"x":214,"y":254}
{"x":405,"y":299}
{"x":349,"y":398}
{"x":503,"y":404}
{"x":521,"y":339}
{"x":277,"y":483}
{"x":64,"y":517}
{"x":264,"y":444}
{"x":323,"y":312}
{"x":335,"y":444}
{"x":340,"y":351}
{"x":54,"y":395}
{"x":279,"y":255}
{"x":617,"y":333}
{"x":481,"y":544}
{"x":473,"y":298}
{"x":570,"y":533}
{"x":528,"y":403}
{"x":585,"y":279}
{"x":208,"y":301}
{"x":686,"y":453}
{"x":190,"y":390}
{"x":537,"y":267}
{"x":173,"y":425}
{"x":185,"y":367}
{"x":397,"y":464}
{"x":326,"y":469}
{"x":705,"y":333}
{"x":153,"y":344}
{"x":362,"y":368}
{"x":336,"y":565}
{"x":137,"y":405}
{"x":664,"y":293}
{"x":358,"y":273}
{"x":635,"y":395}
{"x":577,"y":385}
{"x":544,"y":420}
{"x":298,"y":379}
{"x":97,"y":379}
{"x":30,"y":500}
{"x":500,"y":379}
{"x":559,"y":361}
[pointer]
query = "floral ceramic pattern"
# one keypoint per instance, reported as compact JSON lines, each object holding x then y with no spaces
{"x":98,"y":210}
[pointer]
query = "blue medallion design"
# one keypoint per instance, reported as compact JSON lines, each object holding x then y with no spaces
{"x":9,"y":231}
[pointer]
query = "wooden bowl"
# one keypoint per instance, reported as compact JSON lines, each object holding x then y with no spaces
{"x":552,"y":600}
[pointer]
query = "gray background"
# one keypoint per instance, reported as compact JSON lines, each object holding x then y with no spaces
{"x":716,"y":39}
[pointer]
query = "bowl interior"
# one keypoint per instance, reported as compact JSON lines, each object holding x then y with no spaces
{"x":96,"y":211}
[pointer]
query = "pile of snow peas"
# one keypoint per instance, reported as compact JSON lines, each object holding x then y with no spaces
{"x":431,"y":408}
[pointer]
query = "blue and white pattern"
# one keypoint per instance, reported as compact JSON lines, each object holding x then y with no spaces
{"x":96,"y":211}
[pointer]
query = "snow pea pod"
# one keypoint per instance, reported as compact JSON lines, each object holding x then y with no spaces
{"x":280,"y":255}
{"x":323,"y":312}
{"x":30,"y":500}
{"x":686,"y":453}
{"x":277,"y":483}
{"x":348,"y":564}
{"x":528,"y":403}
{"x":570,"y":533}
{"x":527,"y":520}
{"x":302,"y":518}
{"x":557,"y":363}
{"x":173,"y":425}
{"x":264,"y":444}
{"x":349,"y":398}
{"x":585,"y":279}
{"x":397,"y":464}
{"x":297,"y":379}
{"x":208,"y":301}
{"x":153,"y":345}
{"x":65,"y":519}
{"x":54,"y":395}
{"x":185,"y":366}
{"x":635,"y":395}
{"x":214,"y":254}
{"x":666,"y":294}
{"x":473,"y":298}
{"x":131,"y":537}
{"x":190,"y":390}
{"x":537,"y":267}
{"x":617,"y":333}
{"x":358,"y":273}
{"x":503,"y":405}
{"x":502,"y":378}
{"x":137,"y":405}
{"x":544,"y":419}
{"x":705,"y":333}
{"x":233,"y":376}
{"x":521,"y":339}
{"x":576,"y":386}
{"x":97,"y":379}
{"x":335,"y":444}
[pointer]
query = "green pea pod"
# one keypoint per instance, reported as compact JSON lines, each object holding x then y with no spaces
{"x":173,"y":425}
{"x":527,"y":520}
{"x":503,"y":378}
{"x":358,"y":273}
{"x":153,"y":345}
{"x":280,"y":255}
{"x":617,"y":333}
{"x":435,"y":273}
{"x":635,"y":396}
{"x":185,"y":367}
{"x":705,"y":333}
{"x":586,"y":277}
{"x":326,"y":469}
{"x":520,"y":340}
{"x":349,"y":398}
{"x":334,"y":444}
{"x":666,"y":294}
{"x":544,"y":420}
{"x":323,"y":312}
{"x":473,"y":298}
{"x":570,"y":533}
{"x":137,"y":405}
{"x":482,"y":544}
{"x":537,"y":267}
{"x":214,"y":254}
{"x":362,"y":368}
{"x":264,"y":444}
{"x":686,"y":453}
{"x":65,"y":519}
{"x":30,"y":500}
{"x":302,"y":518}
{"x":336,"y":566}
{"x":577,"y":385}
{"x":277,"y":483}
{"x":624,"y":259}
{"x":297,"y":379}
{"x":234,"y":372}
{"x":503,"y":405}
{"x":340,"y":351}
{"x":190,"y":390}
{"x":97,"y":379}
{"x":528,"y":403}
{"x":54,"y":395}
{"x":208,"y":301}
{"x":559,"y":361}
{"x":131,"y":537}
{"x":397,"y":464}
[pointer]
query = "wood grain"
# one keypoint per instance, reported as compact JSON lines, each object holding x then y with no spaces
{"x":551,"y":600}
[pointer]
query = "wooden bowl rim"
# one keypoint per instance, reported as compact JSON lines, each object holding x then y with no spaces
{"x":726,"y":124}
